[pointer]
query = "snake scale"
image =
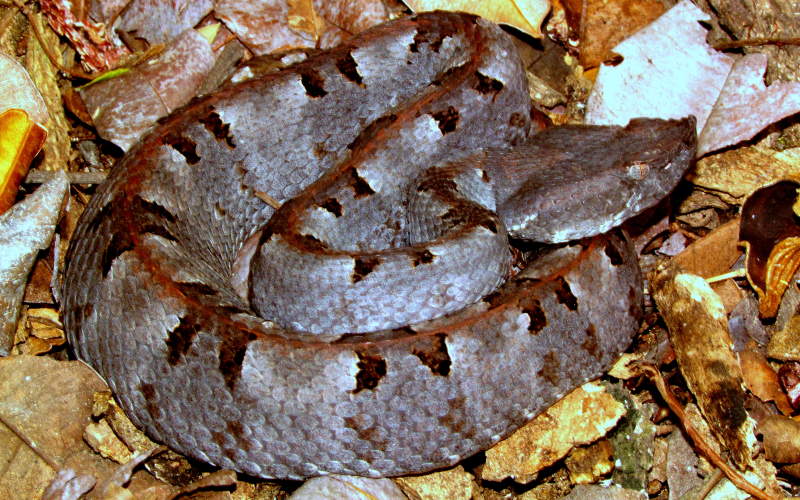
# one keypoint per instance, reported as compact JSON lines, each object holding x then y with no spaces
{"x":395,"y":338}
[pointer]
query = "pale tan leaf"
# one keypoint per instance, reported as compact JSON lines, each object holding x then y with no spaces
{"x":525,"y":15}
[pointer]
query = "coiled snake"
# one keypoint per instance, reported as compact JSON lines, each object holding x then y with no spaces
{"x":394,"y":340}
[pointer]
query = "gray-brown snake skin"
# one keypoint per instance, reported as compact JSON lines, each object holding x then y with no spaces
{"x":150,"y":305}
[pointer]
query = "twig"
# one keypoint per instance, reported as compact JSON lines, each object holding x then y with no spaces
{"x":734,"y":476}
{"x":756,"y":42}
{"x":269,"y":200}
{"x":50,"y":55}
{"x":42,"y":176}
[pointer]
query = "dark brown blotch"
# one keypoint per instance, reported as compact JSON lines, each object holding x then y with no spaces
{"x":194,"y":289}
{"x":149,"y":393}
{"x":437,"y":182}
{"x":432,"y":352}
{"x":231,"y":355}
{"x":333,"y":206}
{"x":447,"y":119}
{"x":489,"y":223}
{"x":371,"y":369}
{"x":363,"y":267}
{"x":348,"y":67}
{"x":236,"y":429}
{"x":140,"y":205}
{"x":517,"y":120}
{"x":360,"y":186}
{"x":487,"y":85}
{"x":221,"y":131}
{"x":179,"y":339}
{"x":424,"y":36}
{"x":564,"y":294}
{"x":551,"y":368}
{"x":312,"y":243}
{"x":183,"y":145}
{"x":421,"y":257}
{"x":313,"y":82}
{"x":591,"y":343}
{"x":120,"y":243}
{"x":635,"y":307}
{"x":403,"y":331}
{"x":613,"y":255}
{"x":532,"y":307}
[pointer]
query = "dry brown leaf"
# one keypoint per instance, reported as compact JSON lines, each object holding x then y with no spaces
{"x":20,"y":141}
{"x":761,"y":380}
{"x":455,"y":484}
{"x":607,"y":24}
{"x":698,"y":329}
{"x":785,"y":343}
{"x":781,"y":439}
{"x":735,"y":173}
{"x":582,"y":417}
{"x":303,"y":18}
{"x":714,"y":254}
{"x":771,"y":236}
{"x":50,"y":402}
{"x":525,"y":15}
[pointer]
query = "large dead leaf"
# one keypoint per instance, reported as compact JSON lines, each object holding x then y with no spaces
{"x":668,"y":71}
{"x":50,"y":403}
{"x":525,"y":15}
{"x":123,"y":108}
{"x":746,"y":106}
{"x":25,"y":230}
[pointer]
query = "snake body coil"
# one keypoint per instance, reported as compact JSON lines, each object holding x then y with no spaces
{"x":399,"y":157}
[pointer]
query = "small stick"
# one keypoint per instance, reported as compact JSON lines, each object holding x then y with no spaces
{"x":42,"y":176}
{"x":734,"y":476}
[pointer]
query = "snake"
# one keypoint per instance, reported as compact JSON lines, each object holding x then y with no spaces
{"x":439,"y":268}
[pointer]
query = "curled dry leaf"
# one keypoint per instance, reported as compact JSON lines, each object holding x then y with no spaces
{"x":771,"y":235}
{"x":20,"y":141}
{"x":698,"y":329}
{"x":25,"y":230}
{"x":124,"y":107}
{"x":525,"y":15}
